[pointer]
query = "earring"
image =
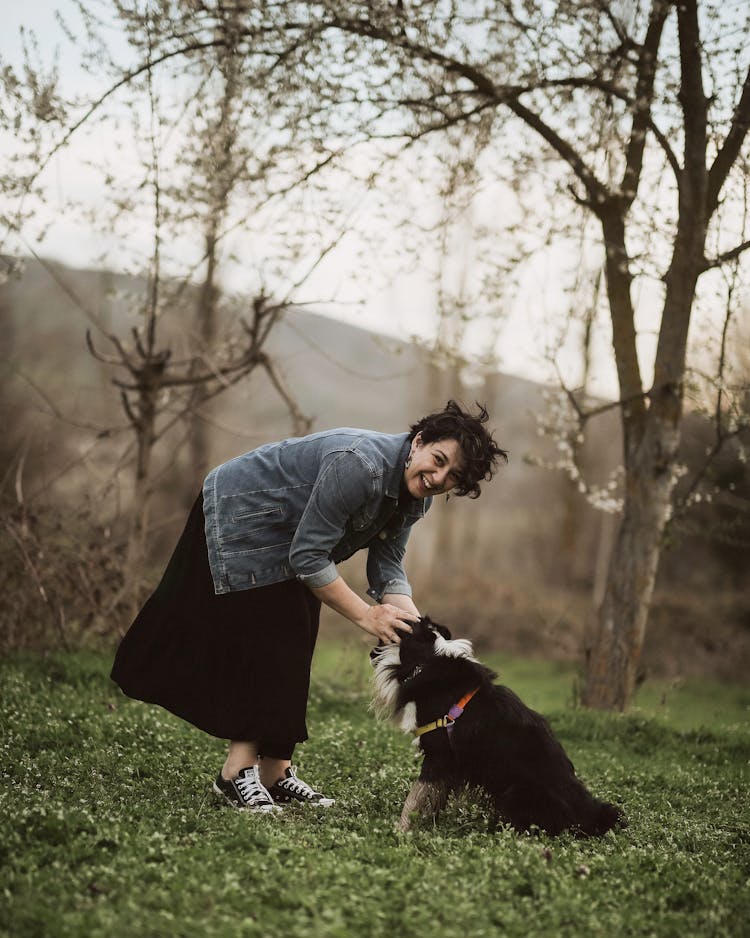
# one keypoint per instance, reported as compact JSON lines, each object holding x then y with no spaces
{"x":408,"y":461}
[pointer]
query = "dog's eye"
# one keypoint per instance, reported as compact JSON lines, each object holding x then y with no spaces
{"x":410,"y":675}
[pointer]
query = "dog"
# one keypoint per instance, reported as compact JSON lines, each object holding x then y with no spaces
{"x":477,"y":734}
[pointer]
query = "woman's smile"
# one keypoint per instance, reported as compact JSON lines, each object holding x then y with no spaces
{"x":434,"y":468}
{"x":430,"y":488}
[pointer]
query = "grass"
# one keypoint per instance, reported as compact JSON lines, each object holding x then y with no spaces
{"x":107,"y":827}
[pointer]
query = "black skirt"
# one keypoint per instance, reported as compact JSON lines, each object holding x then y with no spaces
{"x":235,"y":665}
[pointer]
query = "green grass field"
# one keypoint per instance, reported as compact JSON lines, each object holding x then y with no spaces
{"x":108,"y":827}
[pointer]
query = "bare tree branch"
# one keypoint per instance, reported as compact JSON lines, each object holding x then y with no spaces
{"x":644,"y":93}
{"x":65,"y":286}
{"x":131,"y":75}
{"x":597,"y":192}
{"x":586,"y":414}
{"x":54,"y":410}
{"x":730,"y":150}
{"x":725,"y":256}
{"x":694,"y":108}
{"x":101,"y":357}
{"x":302,"y":422}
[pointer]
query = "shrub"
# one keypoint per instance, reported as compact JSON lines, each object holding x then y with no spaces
{"x":61,"y":579}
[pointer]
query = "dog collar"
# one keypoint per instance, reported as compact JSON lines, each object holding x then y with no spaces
{"x":450,"y":717}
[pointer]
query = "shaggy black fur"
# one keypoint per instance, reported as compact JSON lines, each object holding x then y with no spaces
{"x":498,"y":744}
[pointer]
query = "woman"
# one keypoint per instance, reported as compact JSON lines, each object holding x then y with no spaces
{"x":227,"y":638}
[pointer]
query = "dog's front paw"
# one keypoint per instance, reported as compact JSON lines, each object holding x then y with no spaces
{"x":403,"y":825}
{"x":424,"y":802}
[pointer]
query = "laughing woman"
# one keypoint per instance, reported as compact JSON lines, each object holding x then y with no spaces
{"x":226,"y":640}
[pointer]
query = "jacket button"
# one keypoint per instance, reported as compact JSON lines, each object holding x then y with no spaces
{"x":382,"y":535}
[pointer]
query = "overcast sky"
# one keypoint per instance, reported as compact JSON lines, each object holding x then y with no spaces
{"x":402,"y":307}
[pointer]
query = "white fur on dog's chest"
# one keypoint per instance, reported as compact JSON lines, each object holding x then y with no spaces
{"x":409,"y":718}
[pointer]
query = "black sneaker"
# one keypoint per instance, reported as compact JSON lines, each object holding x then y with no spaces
{"x":292,"y":790}
{"x":246,"y":792}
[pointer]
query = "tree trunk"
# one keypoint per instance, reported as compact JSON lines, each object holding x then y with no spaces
{"x":221,"y":175}
{"x":136,"y":547}
{"x":614,"y":656}
{"x":199,"y":436}
{"x":651,"y":442}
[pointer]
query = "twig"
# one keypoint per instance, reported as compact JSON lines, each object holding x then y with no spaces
{"x":301,"y":422}
{"x":711,"y":263}
{"x":27,"y":559}
{"x":55,"y":411}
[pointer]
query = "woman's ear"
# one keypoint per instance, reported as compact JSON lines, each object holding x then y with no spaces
{"x":418,"y":439}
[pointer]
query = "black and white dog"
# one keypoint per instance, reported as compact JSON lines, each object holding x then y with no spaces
{"x":474,"y":733}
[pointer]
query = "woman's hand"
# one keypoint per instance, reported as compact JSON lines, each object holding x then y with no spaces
{"x":386,"y":621}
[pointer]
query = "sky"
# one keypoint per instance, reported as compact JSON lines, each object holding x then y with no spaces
{"x":401,"y":304}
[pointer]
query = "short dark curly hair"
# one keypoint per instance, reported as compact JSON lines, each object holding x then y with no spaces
{"x":480,"y":451}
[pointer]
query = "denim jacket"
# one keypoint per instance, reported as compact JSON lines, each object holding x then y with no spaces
{"x":299,"y":507}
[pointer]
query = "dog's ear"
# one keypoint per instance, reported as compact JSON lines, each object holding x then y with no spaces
{"x":440,"y":629}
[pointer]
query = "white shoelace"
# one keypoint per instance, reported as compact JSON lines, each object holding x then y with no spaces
{"x":251,"y":788}
{"x":297,"y":786}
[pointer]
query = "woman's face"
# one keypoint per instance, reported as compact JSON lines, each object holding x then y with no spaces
{"x":435,"y":467}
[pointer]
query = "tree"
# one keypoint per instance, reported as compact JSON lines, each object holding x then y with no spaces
{"x":201,"y":162}
{"x":673,"y":80}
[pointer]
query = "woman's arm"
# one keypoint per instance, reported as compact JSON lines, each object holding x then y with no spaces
{"x":402,"y":601}
{"x":383,"y":621}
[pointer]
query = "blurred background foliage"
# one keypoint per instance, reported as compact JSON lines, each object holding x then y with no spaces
{"x":517,"y":570}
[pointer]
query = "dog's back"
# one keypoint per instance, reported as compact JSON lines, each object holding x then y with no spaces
{"x":510,"y":750}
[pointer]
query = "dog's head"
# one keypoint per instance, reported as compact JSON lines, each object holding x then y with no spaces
{"x":397,"y":664}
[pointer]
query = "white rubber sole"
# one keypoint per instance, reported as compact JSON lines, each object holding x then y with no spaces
{"x":324,"y":803}
{"x":258,"y":809}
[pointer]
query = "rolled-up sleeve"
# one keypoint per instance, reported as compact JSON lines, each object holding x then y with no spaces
{"x":385,"y":571}
{"x":345,"y":482}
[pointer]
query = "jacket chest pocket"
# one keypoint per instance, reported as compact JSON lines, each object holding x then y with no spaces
{"x":251,"y":514}
{"x":242,"y":521}
{"x":361,"y":520}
